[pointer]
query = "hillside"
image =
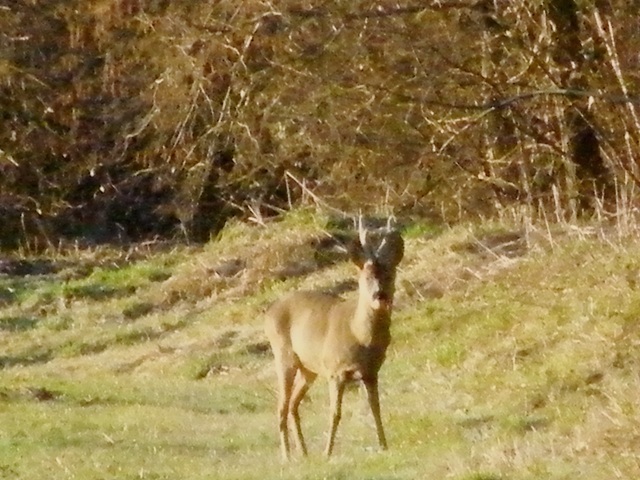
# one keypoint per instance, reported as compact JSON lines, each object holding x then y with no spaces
{"x":515,"y":356}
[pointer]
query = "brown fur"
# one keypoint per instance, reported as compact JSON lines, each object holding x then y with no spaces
{"x":313,"y":334}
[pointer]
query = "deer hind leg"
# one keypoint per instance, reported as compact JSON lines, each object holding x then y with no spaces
{"x":286,"y":370}
{"x":371,"y":387}
{"x":304,"y":379}
{"x":336,"y":392}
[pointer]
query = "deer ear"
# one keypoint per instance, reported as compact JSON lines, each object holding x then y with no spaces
{"x":392,"y":249}
{"x":356,"y":252}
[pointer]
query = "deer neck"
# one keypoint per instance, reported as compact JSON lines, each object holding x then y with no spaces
{"x":371,"y":326}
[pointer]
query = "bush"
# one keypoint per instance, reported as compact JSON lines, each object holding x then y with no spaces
{"x":133,"y":119}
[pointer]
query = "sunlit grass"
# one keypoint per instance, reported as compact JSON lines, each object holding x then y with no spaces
{"x":524,"y":366}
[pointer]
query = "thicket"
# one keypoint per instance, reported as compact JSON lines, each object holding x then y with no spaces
{"x":131,"y":119}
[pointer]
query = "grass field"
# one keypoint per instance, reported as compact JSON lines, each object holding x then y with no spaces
{"x":516,"y":355}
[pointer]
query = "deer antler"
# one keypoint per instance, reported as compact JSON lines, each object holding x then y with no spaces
{"x":362,"y":235}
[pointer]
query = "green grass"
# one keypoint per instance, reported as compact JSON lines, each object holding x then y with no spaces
{"x":523,"y":366}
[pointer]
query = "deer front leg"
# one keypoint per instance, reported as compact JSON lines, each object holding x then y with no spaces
{"x":336,"y":391}
{"x":286,"y":376}
{"x":371,"y":386}
{"x":303,"y":381}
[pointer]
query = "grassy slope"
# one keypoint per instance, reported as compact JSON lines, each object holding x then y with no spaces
{"x":514,"y":356}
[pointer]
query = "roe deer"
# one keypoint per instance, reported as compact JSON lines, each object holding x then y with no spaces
{"x":313,"y":333}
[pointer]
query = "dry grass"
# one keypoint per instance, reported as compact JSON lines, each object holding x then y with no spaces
{"x":515,"y":355}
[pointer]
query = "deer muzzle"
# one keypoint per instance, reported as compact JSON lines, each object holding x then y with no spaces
{"x":380,"y":301}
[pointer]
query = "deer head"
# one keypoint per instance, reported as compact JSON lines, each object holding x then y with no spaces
{"x":377,"y":253}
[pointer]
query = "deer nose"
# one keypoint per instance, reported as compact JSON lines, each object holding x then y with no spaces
{"x":381,"y":296}
{"x":380,"y":301}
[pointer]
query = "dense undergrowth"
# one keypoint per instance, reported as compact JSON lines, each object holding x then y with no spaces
{"x":126,"y":120}
{"x":515,"y":355}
